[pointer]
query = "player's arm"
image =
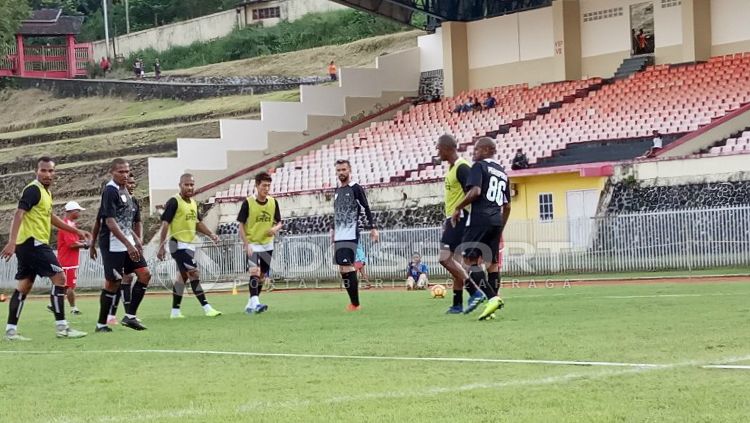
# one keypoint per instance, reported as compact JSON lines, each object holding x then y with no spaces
{"x":359,"y":195}
{"x":462,"y":174}
{"x":10,"y":247}
{"x":202,"y":228}
{"x":506,"y":206}
{"x":137,"y":222}
{"x":60,"y":224}
{"x":242,"y":217}
{"x":170,"y":209}
{"x":95,"y":235}
{"x":277,"y":224}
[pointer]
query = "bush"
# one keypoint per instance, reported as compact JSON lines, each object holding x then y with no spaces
{"x":312,"y":30}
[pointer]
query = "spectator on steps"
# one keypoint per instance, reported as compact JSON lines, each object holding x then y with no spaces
{"x":104,"y":65}
{"x":332,"y":73}
{"x":642,"y":42}
{"x":137,"y":68}
{"x":520,"y":161}
{"x":477,"y":106}
{"x":656,"y":146}
{"x":157,"y":69}
{"x":489,"y":101}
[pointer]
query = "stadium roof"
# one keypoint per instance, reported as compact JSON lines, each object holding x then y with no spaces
{"x":437,"y":11}
{"x":50,"y":22}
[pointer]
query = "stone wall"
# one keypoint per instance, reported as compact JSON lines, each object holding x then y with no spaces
{"x":397,"y":218}
{"x":628,"y":196}
{"x":140,"y":90}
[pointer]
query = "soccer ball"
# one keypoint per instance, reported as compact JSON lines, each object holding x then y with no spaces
{"x":437,"y":291}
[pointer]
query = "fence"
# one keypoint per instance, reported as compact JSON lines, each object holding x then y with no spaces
{"x":641,"y":242}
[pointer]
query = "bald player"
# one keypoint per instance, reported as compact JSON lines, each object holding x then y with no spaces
{"x":455,"y":182}
{"x":488,"y":194}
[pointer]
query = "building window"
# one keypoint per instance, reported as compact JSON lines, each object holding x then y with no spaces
{"x":266,"y":13}
{"x":546,"y":211}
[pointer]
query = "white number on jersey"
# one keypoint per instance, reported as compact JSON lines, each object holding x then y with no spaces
{"x":496,"y":191}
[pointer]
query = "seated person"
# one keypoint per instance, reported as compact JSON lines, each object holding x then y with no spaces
{"x":416,"y":273}
{"x":489,"y":102}
{"x":520,"y":161}
{"x":469,"y":105}
{"x":656,"y":146}
{"x":477,"y":106}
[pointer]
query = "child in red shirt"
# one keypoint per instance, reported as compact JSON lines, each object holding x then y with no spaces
{"x":68,"y":244}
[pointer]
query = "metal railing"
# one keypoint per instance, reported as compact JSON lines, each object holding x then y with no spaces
{"x":676,"y":240}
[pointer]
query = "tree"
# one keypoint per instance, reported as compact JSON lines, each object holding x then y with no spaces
{"x":13,"y":12}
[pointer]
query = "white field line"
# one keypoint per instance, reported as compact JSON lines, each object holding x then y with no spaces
{"x":727,"y":367}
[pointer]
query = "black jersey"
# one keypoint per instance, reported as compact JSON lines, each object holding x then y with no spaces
{"x":118,"y":204}
{"x":487,"y":210}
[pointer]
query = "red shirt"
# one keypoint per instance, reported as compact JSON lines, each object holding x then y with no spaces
{"x":66,"y":254}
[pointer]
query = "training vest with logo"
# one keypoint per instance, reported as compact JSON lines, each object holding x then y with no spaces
{"x":182,"y":227}
{"x":260,"y":220}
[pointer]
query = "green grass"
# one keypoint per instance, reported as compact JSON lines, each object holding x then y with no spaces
{"x":686,"y":325}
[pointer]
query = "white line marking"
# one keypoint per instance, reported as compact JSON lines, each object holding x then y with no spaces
{"x":360,"y":357}
{"x":721,"y":366}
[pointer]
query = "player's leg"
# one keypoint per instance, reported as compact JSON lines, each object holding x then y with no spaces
{"x":113,"y":264}
{"x":345,"y":252}
{"x":422,"y":282}
{"x":178,"y":290}
{"x":449,"y":241}
{"x":264,"y":265}
{"x":193,"y":276}
{"x":17,"y":301}
{"x":71,"y":277}
{"x":143,"y":277}
{"x":471,"y":249}
{"x":409,"y":283}
{"x":495,"y":302}
{"x":122,"y":294}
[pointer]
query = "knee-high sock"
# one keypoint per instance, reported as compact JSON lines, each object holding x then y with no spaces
{"x":470,"y":287}
{"x":126,"y":289}
{"x":113,"y":310}
{"x":57,"y":299}
{"x":352,"y":286}
{"x":198,"y":292}
{"x":178,"y":290}
{"x":106,"y":299}
{"x":494,"y":280}
{"x":478,"y":276}
{"x":458,"y":298}
{"x":16,"y":306}
{"x":139,"y":291}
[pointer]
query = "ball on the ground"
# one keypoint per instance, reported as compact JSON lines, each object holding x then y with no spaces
{"x":437,"y":291}
{"x":3,"y":297}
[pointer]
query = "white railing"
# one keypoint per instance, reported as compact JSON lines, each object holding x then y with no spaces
{"x":679,"y":240}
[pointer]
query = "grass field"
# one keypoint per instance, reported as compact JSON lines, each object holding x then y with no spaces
{"x":356,"y":367}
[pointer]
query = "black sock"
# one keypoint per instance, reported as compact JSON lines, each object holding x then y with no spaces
{"x":57,"y":299}
{"x":470,"y":287}
{"x":106,"y":299}
{"x":198,"y":292}
{"x":16,"y":306}
{"x":480,"y":279}
{"x":458,"y":298}
{"x":113,"y":310}
{"x":127,"y":292}
{"x":255,"y":286}
{"x":494,"y":280}
{"x":352,"y":286}
{"x":139,"y":291}
{"x":178,"y":290}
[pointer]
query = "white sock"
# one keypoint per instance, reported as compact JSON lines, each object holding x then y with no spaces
{"x":74,"y":308}
{"x":61,"y":323}
{"x":111,"y":316}
{"x":254,"y":301}
{"x":99,"y":325}
{"x":11,"y":327}
{"x":130,"y":316}
{"x":207,"y":307}
{"x":176,"y":312}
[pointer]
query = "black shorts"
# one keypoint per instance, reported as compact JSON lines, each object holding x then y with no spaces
{"x":36,"y":261}
{"x":119,"y":264}
{"x":481,"y":241}
{"x":185,"y":260}
{"x":261,"y":259}
{"x":345,"y":252}
{"x":452,"y":236}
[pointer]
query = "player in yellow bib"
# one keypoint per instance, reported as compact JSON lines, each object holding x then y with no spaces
{"x":260,"y":221}
{"x":29,"y":241}
{"x":455,"y":186}
{"x":182,"y":221}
